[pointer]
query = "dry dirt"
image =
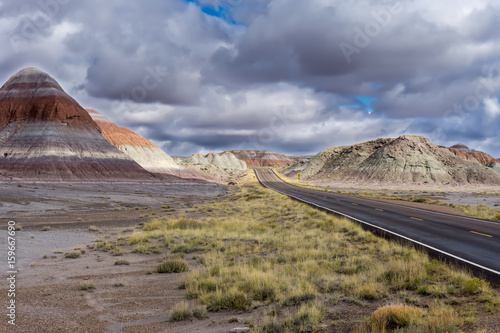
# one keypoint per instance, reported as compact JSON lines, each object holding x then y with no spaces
{"x":47,"y":284}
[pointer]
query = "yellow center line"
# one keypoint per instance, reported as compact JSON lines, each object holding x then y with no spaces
{"x":417,"y":219}
{"x":478,"y":233}
{"x":380,"y":210}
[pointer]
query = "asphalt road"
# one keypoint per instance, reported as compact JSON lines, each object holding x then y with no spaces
{"x":473,"y":242}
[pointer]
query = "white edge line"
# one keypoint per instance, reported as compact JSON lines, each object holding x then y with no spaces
{"x":391,"y":232}
{"x":390,"y":203}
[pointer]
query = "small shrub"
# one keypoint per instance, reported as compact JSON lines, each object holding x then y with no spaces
{"x":46,"y":228}
{"x":122,"y":262}
{"x":87,"y":285}
{"x":173,"y":266}
{"x":72,"y":255}
{"x":18,"y":227}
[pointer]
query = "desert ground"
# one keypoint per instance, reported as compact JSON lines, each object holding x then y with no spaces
{"x":88,"y":255}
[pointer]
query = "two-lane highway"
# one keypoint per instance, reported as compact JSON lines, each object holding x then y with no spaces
{"x":470,"y":241}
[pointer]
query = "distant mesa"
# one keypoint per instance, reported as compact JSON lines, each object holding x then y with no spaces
{"x":408,"y":159}
{"x":144,"y":152}
{"x":262,"y":158}
{"x":46,"y":135}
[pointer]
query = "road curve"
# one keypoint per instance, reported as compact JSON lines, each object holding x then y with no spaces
{"x":473,"y":242}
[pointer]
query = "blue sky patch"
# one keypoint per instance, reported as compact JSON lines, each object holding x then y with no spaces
{"x":366,"y":102}
{"x":223,"y":11}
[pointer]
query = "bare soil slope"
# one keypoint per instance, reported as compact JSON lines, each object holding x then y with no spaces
{"x":144,"y":152}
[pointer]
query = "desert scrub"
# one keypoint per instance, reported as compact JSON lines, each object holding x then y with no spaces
{"x":305,"y":319}
{"x":393,"y":317}
{"x":122,"y":262}
{"x":87,"y":285}
{"x":405,"y":318}
{"x":173,"y":266}
{"x":182,"y":311}
{"x":272,"y":251}
{"x":94,"y":228}
{"x":72,"y":255}
{"x":46,"y":228}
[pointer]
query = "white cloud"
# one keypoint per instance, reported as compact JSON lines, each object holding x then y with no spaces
{"x":492,"y":107}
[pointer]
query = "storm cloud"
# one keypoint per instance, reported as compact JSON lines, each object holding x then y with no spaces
{"x":292,"y":76}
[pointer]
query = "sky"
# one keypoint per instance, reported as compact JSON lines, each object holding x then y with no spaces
{"x":291,"y":76}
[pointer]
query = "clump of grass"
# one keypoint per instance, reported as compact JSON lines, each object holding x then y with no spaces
{"x":173,"y":266}
{"x":200,"y":312}
{"x":305,"y":319}
{"x":122,"y":262}
{"x":117,"y":251}
{"x":182,"y":311}
{"x":46,"y":228}
{"x":18,"y":227}
{"x":72,"y":255}
{"x":154,"y":225}
{"x":184,"y":223}
{"x":394,"y":316}
{"x":233,"y":299}
{"x":473,"y":286}
{"x":94,"y":228}
{"x":88,"y":285}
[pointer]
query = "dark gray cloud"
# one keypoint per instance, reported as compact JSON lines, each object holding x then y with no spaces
{"x":199,"y":76}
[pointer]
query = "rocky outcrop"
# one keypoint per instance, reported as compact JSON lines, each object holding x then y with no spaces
{"x":262,"y":158}
{"x":223,"y":167}
{"x":408,"y":159}
{"x":46,"y":135}
{"x":224,"y":160}
{"x":144,"y":152}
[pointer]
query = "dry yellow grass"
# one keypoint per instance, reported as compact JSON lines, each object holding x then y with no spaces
{"x":259,"y":248}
